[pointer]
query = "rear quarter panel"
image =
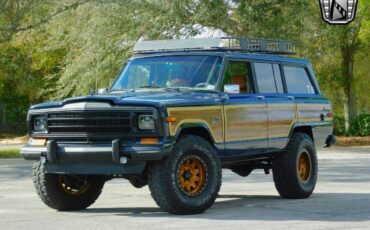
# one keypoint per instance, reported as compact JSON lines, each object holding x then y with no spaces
{"x":314,"y":112}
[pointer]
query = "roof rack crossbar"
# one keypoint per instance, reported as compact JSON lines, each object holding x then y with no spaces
{"x":260,"y":44}
{"x":232,"y":44}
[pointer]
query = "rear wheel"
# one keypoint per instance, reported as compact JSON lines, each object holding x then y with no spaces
{"x":295,"y":171}
{"x":187,"y":181}
{"x":66,"y":192}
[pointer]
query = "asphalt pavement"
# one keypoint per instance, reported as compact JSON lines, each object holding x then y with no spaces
{"x":341,"y":201}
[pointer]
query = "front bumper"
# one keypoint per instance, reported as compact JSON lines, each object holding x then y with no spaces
{"x":95,"y":158}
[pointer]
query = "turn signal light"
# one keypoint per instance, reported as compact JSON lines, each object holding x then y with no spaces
{"x":149,"y":141}
{"x":38,"y":142}
{"x":171,"y":119}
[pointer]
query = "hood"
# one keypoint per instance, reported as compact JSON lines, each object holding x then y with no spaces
{"x":156,"y":98}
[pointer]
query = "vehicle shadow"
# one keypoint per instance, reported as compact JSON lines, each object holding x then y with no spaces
{"x":342,"y":207}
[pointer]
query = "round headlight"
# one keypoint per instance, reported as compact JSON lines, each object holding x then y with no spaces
{"x":39,"y":124}
{"x":146,"y":122}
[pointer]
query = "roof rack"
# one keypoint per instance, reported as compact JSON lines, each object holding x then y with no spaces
{"x":231,"y":44}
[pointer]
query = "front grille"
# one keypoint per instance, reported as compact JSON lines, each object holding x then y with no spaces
{"x":89,"y":122}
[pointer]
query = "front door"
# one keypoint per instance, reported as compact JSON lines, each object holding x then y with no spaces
{"x":245,"y":113}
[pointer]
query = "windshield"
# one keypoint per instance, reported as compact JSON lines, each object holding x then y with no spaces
{"x":200,"y":72}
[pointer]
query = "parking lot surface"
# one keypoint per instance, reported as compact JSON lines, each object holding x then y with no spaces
{"x":341,"y":201}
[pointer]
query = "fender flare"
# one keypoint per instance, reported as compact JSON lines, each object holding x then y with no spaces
{"x":190,"y":125}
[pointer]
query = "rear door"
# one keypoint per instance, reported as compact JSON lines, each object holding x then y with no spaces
{"x":280,"y":107}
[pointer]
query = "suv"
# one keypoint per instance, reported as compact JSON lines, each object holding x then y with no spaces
{"x":177,"y":113}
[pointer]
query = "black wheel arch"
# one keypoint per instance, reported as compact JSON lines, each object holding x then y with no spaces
{"x":196,"y":129}
{"x":302,"y":128}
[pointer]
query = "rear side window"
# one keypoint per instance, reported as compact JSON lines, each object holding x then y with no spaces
{"x":297,"y":80}
{"x":268,"y":78}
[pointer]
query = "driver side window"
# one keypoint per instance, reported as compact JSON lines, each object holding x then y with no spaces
{"x":239,"y":73}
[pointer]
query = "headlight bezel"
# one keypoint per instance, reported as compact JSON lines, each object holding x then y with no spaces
{"x":149,"y":124}
{"x":42,"y":122}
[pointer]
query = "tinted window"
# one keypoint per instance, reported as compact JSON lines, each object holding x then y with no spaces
{"x":140,"y":75}
{"x":268,"y":78}
{"x":297,"y":80}
{"x":265,"y":78}
{"x":199,"y":72}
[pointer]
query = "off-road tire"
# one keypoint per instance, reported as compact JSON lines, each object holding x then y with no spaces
{"x":285,"y":167}
{"x":52,"y":194}
{"x":164,"y":182}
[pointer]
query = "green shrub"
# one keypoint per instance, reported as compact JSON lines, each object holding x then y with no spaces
{"x":360,"y":125}
{"x":339,"y":128}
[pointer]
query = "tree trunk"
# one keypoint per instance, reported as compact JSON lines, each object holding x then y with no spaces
{"x":348,"y":85}
{"x":2,"y":116}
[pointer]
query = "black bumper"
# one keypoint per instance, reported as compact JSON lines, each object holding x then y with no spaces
{"x":95,"y":158}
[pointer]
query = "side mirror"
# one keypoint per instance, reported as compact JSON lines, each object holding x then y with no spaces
{"x":102,"y":90}
{"x":232,"y":88}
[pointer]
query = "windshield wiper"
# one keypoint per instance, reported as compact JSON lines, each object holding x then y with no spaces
{"x":178,"y":89}
{"x":152,"y":86}
{"x":118,"y":90}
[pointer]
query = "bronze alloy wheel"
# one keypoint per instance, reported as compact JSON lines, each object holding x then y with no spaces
{"x":304,"y":166}
{"x":192,"y":175}
{"x":73,"y":185}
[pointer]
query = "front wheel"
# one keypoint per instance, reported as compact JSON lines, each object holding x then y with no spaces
{"x":295,"y":171}
{"x":66,"y":192}
{"x":187,"y":181}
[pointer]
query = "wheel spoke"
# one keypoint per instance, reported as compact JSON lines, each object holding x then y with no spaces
{"x":192,"y":184}
{"x":188,"y":186}
{"x":192,"y":173}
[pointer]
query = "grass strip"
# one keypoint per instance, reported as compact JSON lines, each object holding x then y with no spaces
{"x":9,"y":153}
{"x":353,"y":141}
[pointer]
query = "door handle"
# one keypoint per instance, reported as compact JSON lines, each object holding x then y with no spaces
{"x":260,"y":97}
{"x":290,"y":97}
{"x":224,"y":97}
